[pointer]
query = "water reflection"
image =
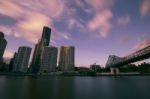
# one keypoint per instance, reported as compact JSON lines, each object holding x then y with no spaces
{"x":49,"y":87}
{"x":46,"y":87}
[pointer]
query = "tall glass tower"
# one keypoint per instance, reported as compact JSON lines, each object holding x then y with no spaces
{"x":46,"y":35}
{"x":44,"y":41}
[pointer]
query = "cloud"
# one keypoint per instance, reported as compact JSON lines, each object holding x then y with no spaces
{"x":30,"y":28}
{"x":145,"y":7}
{"x":10,"y":31}
{"x":101,"y":23}
{"x":30,"y":16}
{"x":80,"y":3}
{"x":100,"y":4}
{"x":57,"y":35}
{"x":6,"y":30}
{"x":142,"y":44}
{"x":53,"y":8}
{"x":8,"y":54}
{"x":9,"y":8}
{"x":74,"y":23}
{"x":19,"y":9}
{"x":124,"y":20}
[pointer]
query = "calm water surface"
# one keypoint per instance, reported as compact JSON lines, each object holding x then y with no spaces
{"x":124,"y":87}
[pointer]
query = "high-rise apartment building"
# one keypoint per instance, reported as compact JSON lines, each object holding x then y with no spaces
{"x":48,"y":59}
{"x":21,"y":60}
{"x":67,"y":58}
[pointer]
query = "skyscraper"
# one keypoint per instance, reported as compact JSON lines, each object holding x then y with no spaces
{"x":46,"y":35}
{"x":67,"y":58}
{"x":22,"y":60}
{"x":35,"y":64}
{"x":48,"y":59}
{"x":3,"y":44}
{"x":44,"y":41}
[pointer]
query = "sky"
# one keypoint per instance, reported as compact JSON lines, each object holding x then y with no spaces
{"x":97,"y":28}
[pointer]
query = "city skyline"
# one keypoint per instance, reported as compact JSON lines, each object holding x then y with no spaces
{"x":97,"y":28}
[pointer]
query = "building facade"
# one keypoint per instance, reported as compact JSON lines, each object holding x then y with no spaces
{"x":3,"y":44}
{"x":67,"y":58}
{"x":21,"y":59}
{"x":44,"y":41}
{"x":95,"y":67}
{"x":48,"y":59}
{"x":12,"y":61}
{"x":46,"y":34}
{"x":35,"y":64}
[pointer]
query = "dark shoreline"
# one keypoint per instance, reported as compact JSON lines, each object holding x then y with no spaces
{"x":125,"y":74}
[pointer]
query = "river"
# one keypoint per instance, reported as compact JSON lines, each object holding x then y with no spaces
{"x":59,"y":87}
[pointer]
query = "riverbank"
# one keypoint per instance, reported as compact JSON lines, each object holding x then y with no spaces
{"x":75,"y":74}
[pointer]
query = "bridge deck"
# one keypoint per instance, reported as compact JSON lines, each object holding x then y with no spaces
{"x":134,"y":57}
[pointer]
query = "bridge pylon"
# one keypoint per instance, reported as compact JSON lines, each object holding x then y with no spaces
{"x":114,"y":70}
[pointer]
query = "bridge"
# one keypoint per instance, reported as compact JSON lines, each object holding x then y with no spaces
{"x":115,"y":61}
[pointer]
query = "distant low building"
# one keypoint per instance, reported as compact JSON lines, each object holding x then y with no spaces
{"x":48,"y":59}
{"x":82,"y":68}
{"x":95,"y":67}
{"x":67,"y":58}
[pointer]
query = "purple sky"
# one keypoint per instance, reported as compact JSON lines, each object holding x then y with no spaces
{"x":97,"y":28}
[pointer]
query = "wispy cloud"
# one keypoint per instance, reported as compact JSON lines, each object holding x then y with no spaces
{"x":57,"y":35}
{"x":101,"y":21}
{"x":142,"y":44}
{"x":124,"y":20}
{"x":30,"y":28}
{"x":17,"y":9}
{"x":74,"y":23}
{"x":30,"y":16}
{"x":100,"y":4}
{"x":8,"y":54}
{"x":145,"y":7}
{"x":9,"y":8}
